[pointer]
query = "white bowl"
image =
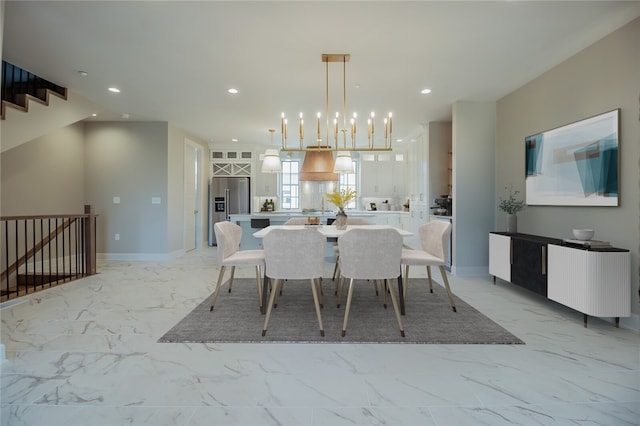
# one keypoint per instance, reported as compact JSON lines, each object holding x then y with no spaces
{"x":583,"y":234}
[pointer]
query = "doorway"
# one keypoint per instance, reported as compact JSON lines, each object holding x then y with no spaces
{"x":192,"y":208}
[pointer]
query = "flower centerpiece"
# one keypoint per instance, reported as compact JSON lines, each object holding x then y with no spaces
{"x":511,"y":206}
{"x":340,"y":199}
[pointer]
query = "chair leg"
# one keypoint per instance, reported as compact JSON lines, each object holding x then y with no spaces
{"x":314,"y":290}
{"x":335,"y":269}
{"x":405,"y":282}
{"x":258,"y":280}
{"x":430,"y":280}
{"x":396,"y":308}
{"x":340,"y":285}
{"x":446,"y":284}
{"x":233,"y":271}
{"x":346,"y":311}
{"x":384,"y":293}
{"x":274,"y":291}
{"x":215,"y":294}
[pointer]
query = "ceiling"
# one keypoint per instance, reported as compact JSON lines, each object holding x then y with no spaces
{"x":174,"y":61}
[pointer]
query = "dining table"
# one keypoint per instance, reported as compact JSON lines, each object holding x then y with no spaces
{"x":332,"y":233}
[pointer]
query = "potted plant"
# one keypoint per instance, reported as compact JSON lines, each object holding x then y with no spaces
{"x":511,"y":205}
{"x":340,"y":199}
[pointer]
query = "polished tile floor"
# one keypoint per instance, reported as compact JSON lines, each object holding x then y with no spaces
{"x":85,"y":353}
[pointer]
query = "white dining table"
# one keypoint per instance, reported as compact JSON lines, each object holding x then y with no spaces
{"x":331,"y":232}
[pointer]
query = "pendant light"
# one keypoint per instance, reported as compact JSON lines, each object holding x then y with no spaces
{"x":271,"y":158}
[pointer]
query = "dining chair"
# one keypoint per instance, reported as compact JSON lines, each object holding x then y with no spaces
{"x":369,"y":254}
{"x":294,"y":254}
{"x":434,"y":238}
{"x":336,"y":250}
{"x":228,"y":236}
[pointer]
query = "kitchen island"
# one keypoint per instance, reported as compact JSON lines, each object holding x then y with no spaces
{"x":279,"y":218}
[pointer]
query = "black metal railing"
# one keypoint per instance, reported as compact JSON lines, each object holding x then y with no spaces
{"x":17,"y":82}
{"x":42,"y":251}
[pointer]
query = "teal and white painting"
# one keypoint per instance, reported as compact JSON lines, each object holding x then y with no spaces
{"x":576,"y":164}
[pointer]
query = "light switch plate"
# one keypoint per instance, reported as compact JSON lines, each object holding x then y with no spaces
{"x":116,"y":200}
{"x":155,"y":200}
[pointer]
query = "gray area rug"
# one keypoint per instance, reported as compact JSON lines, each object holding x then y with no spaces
{"x":429,"y":318}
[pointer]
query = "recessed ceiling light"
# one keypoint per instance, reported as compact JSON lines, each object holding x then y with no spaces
{"x":113,"y":90}
{"x":234,"y":140}
{"x":425,"y":91}
{"x":232,"y":91}
{"x":83,"y":73}
{"x":94,"y":115}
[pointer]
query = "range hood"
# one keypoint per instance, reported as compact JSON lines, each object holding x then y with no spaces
{"x":318,"y":166}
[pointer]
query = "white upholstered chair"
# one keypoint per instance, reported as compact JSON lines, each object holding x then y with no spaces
{"x":228,"y":236}
{"x":294,"y":254}
{"x":434,"y":238}
{"x":336,"y":250}
{"x":369,"y":254}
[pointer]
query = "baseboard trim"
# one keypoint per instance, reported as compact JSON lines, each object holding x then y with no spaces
{"x":470,"y":271}
{"x":141,"y":257}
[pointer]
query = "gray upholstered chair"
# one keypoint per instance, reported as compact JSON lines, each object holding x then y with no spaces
{"x":369,"y":254}
{"x":294,"y":254}
{"x":434,"y":238}
{"x":228,"y":236}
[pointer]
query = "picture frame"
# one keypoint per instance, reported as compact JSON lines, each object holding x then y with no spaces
{"x":576,"y":164}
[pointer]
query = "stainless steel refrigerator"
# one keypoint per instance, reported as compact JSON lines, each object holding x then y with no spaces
{"x":227,"y":196}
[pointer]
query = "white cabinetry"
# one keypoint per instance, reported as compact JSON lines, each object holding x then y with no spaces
{"x":382,"y":175}
{"x":596,"y":283}
{"x":418,"y":172}
{"x":500,"y":256}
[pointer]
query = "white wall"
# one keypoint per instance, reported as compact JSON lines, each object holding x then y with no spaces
{"x":603,"y":77}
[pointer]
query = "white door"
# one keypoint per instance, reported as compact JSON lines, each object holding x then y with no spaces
{"x":191,"y":197}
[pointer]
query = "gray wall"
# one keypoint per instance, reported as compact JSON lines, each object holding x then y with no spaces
{"x":473,"y":140}
{"x":45,"y":176}
{"x":601,"y":78}
{"x":128,"y":160}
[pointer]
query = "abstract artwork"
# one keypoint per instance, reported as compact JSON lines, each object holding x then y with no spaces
{"x":576,"y":164}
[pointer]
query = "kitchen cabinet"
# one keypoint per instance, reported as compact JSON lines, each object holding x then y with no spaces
{"x":593,"y":281}
{"x":382,"y":175}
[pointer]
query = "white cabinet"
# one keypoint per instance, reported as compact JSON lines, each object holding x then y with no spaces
{"x":500,"y":256}
{"x":594,"y":282}
{"x":382,"y":175}
{"x":418,"y":161}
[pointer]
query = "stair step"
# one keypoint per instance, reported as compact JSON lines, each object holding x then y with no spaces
{"x":39,"y":279}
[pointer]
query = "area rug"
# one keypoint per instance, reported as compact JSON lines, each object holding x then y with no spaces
{"x":429,"y":318}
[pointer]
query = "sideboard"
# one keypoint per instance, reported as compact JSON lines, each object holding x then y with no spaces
{"x":595,"y":281}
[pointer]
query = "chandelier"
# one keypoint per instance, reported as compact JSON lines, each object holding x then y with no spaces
{"x":335,"y":130}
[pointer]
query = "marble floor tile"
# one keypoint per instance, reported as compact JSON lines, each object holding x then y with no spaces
{"x":86,"y":353}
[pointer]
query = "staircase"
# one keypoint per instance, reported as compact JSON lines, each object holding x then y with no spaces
{"x":20,"y":88}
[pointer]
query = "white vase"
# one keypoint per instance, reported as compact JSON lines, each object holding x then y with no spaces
{"x":341,"y":220}
{"x":512,"y":223}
